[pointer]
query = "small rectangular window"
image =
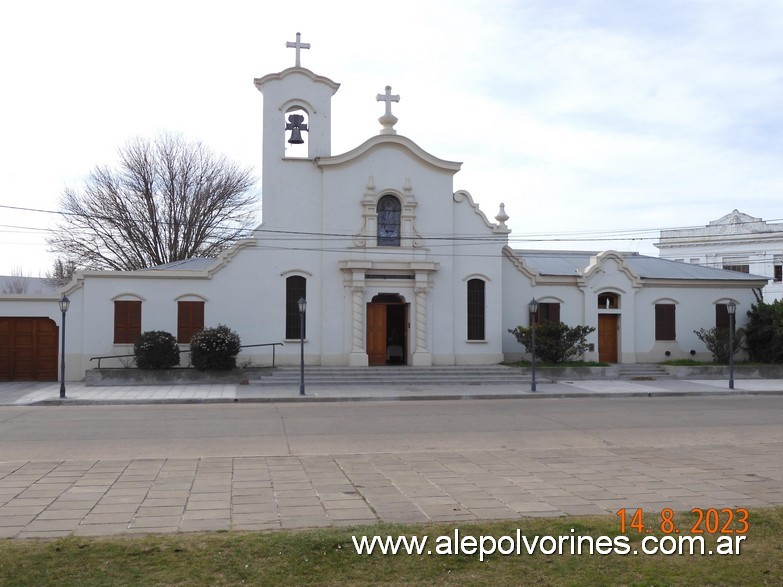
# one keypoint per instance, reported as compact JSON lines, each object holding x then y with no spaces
{"x":778,"y":277}
{"x":190,"y":320}
{"x":664,"y":322}
{"x":127,"y":321}
{"x":739,"y":264}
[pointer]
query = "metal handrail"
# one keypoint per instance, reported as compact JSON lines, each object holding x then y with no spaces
{"x":244,"y":346}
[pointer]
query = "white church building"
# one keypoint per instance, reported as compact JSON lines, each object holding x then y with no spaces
{"x":396,"y":265}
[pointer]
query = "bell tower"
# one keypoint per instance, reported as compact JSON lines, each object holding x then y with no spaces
{"x":297,"y":109}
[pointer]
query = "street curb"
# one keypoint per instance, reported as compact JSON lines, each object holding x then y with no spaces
{"x":402,"y":398}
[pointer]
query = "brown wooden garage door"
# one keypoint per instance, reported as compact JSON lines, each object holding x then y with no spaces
{"x":28,"y":349}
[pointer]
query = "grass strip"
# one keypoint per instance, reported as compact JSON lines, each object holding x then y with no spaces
{"x":328,"y":557}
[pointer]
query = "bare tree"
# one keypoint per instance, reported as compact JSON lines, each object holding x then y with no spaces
{"x":168,"y":200}
{"x":61,"y":273}
{"x":17,"y":283}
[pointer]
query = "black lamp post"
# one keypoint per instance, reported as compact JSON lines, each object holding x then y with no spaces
{"x":533,"y":307}
{"x":63,"y":303}
{"x":731,"y":307}
{"x":302,"y":308}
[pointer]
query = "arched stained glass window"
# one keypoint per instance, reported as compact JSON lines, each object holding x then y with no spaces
{"x":388,"y":221}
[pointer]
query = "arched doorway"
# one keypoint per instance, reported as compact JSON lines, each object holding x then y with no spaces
{"x":608,"y":326}
{"x":387,"y":330}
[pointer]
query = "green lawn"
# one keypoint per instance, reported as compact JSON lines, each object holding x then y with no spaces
{"x":328,"y":557}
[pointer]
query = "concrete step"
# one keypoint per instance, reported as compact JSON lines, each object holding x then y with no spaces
{"x":643,"y":371}
{"x":397,"y":375}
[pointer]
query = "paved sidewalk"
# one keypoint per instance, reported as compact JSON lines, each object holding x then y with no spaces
{"x":78,"y":393}
{"x":111,"y":497}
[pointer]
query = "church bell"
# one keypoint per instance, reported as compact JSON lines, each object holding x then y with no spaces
{"x":296,"y":126}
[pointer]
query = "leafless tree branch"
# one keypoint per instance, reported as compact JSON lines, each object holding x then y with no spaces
{"x":167,"y":200}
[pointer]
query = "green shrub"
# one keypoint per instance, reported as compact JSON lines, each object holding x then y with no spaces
{"x":215,"y":349}
{"x":556,"y":342}
{"x":764,"y":332}
{"x":717,"y":342}
{"x":156,"y":349}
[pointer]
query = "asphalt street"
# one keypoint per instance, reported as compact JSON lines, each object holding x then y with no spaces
{"x":238,"y":429}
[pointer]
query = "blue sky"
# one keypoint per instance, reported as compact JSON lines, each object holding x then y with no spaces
{"x":589,"y":119}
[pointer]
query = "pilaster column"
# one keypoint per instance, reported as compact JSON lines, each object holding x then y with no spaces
{"x":357,"y":318}
{"x":358,"y":356}
{"x":421,"y":319}
{"x":421,"y":356}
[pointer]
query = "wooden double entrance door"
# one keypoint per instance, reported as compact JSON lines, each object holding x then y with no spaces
{"x":28,"y":349}
{"x":387,"y":330}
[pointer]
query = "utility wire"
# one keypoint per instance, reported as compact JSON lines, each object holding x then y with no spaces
{"x":564,"y":236}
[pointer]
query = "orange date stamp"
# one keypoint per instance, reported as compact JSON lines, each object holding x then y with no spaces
{"x":710,"y":521}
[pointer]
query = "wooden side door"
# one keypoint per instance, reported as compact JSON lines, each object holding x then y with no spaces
{"x":607,"y":338}
{"x":376,"y":334}
{"x":6,"y":350}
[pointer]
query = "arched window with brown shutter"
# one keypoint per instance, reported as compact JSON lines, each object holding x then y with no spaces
{"x":476,"y":309}
{"x":295,"y":289}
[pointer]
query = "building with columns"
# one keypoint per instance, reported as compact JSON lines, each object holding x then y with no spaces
{"x":396,"y":265}
{"x":737,"y":242}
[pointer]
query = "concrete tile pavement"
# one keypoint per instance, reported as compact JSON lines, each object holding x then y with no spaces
{"x":138,"y":496}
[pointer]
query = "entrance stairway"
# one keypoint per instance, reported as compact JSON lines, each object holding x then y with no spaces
{"x":643,"y":371}
{"x":396,"y":375}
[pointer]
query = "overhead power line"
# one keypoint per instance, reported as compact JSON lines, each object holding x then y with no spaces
{"x":608,"y":235}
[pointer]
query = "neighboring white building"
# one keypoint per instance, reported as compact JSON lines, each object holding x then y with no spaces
{"x":736,"y":242}
{"x":396,"y":266}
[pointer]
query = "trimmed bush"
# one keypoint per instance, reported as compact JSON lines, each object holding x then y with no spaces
{"x":215,"y":349}
{"x":556,"y":342}
{"x":156,"y":349}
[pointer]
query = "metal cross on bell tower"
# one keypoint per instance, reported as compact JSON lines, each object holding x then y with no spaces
{"x":298,"y":45}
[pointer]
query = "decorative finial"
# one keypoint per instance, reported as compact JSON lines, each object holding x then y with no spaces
{"x":502,"y":216}
{"x":297,"y":45}
{"x":388,"y":120}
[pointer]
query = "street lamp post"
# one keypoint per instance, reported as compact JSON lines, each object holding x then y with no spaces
{"x":302,"y":308}
{"x":63,"y":303}
{"x":731,"y":307}
{"x":533,"y":307}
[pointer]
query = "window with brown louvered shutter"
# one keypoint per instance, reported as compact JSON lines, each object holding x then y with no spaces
{"x":722,"y":316}
{"x":190,"y":320}
{"x":664,"y":322}
{"x":127,"y":321}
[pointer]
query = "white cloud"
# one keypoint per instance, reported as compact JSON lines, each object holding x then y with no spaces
{"x":581,"y":115}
